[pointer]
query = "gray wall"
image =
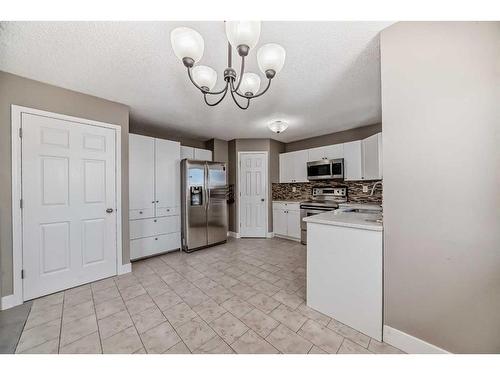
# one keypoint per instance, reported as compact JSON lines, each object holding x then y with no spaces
{"x":441,"y":124}
{"x":274,"y":148}
{"x":219,"y":149}
{"x":34,"y":94}
{"x":159,"y":132}
{"x":334,"y":138}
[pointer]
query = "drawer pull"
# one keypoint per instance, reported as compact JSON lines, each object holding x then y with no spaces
{"x":168,"y":209}
{"x":140,"y":212}
{"x":154,"y":220}
{"x":156,"y":239}
{"x":152,"y":201}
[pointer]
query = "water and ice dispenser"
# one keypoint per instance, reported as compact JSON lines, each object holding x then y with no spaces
{"x":196,"y":195}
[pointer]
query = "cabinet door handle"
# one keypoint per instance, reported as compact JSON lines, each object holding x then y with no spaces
{"x":157,"y":201}
{"x":140,"y":212}
{"x":156,"y":239}
{"x":155,"y":220}
{"x":152,"y":201}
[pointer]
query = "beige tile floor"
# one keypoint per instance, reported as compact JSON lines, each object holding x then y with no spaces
{"x":246,"y":296}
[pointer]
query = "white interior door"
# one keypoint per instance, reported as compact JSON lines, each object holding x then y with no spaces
{"x":68,"y":184}
{"x":253,"y":194}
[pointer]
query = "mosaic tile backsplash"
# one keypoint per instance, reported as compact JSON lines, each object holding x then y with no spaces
{"x":304,"y":190}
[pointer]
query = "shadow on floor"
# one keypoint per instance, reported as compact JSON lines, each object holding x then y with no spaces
{"x":12,"y":322}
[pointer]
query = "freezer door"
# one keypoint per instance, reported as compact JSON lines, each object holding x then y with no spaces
{"x":194,"y":205}
{"x":217,"y":211}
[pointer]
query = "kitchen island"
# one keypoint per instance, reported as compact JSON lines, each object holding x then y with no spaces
{"x":344,"y":266}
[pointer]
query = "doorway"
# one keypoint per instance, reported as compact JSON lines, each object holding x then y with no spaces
{"x":253,"y":194}
{"x":66,"y":178}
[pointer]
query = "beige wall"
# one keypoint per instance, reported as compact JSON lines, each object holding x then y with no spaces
{"x":274,"y":148}
{"x":34,"y":94}
{"x":334,"y":138}
{"x":441,"y":124}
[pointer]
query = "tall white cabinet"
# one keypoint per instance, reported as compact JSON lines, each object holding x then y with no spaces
{"x":154,"y":195}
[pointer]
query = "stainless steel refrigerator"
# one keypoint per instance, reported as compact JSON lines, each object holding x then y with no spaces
{"x":203,"y":204}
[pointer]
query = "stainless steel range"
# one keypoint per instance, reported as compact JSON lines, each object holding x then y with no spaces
{"x":324,"y":199}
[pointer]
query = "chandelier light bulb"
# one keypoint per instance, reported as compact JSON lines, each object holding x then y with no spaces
{"x":244,"y":33}
{"x":205,"y":77}
{"x":250,"y":84}
{"x":278,"y":126}
{"x":271,"y":57}
{"x":187,"y":43}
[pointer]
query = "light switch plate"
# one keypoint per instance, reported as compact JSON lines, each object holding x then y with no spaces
{"x":294,"y":189}
{"x":365,"y":189}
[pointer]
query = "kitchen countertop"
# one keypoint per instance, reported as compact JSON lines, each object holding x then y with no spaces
{"x":342,"y":218}
{"x":287,"y":201}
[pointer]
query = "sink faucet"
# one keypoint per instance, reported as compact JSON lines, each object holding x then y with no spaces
{"x":374,"y":185}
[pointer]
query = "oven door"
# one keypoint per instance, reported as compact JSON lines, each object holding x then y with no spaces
{"x":319,"y":170}
{"x":306,"y":211}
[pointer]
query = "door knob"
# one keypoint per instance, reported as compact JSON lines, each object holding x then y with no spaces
{"x":109,"y":210}
{"x":262,"y":199}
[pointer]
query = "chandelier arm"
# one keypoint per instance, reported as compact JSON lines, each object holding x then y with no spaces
{"x":259,"y":94}
{"x":201,"y":89}
{"x":218,"y":101}
{"x":242,"y":70}
{"x":236,"y":101}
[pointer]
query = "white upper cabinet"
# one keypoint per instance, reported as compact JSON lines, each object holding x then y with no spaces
{"x":353,"y":160}
{"x":194,"y":153}
{"x":326,"y":152}
{"x":187,"y":152}
{"x":202,"y":154}
{"x":372,"y":157}
{"x":141,"y":175}
{"x":293,"y":166}
{"x":362,"y":160}
{"x":167,"y":166}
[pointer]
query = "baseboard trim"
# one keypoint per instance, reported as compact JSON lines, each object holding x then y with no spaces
{"x":233,"y":234}
{"x":9,"y":301}
{"x":410,"y":344}
{"x":270,"y":235}
{"x":124,"y":268}
{"x":287,"y":237}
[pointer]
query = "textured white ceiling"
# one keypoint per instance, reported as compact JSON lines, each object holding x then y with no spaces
{"x":330,"y":81}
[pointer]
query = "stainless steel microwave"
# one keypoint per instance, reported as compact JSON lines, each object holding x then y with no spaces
{"x":332,"y":169}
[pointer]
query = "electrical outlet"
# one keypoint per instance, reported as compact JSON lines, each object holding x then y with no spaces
{"x":294,"y":189}
{"x":365,"y":189}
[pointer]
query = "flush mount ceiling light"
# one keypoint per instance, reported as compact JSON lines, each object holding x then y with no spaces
{"x":188,"y":46}
{"x":278,"y":126}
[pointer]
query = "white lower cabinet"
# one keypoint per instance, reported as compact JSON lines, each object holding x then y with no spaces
{"x":147,"y":246}
{"x":286,"y":220}
{"x":152,"y":227}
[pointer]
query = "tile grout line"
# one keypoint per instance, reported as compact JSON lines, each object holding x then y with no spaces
{"x":60,"y":326}
{"x":96,"y":319}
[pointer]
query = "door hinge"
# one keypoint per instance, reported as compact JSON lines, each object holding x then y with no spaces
{"x":21,"y":204}
{"x":20,"y":132}
{"x":22,"y":274}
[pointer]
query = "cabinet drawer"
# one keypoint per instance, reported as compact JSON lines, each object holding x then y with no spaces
{"x":154,"y":226}
{"x":141,"y":214}
{"x":167,"y":211}
{"x":286,"y":206}
{"x":143,"y":247}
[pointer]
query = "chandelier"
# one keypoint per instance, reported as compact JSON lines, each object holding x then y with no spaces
{"x":188,"y":46}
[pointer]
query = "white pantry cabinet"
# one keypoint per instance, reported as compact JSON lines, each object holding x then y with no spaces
{"x":195,"y":153}
{"x":293,"y":166}
{"x":326,"y":152}
{"x":286,"y":220}
{"x":154,"y":198}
